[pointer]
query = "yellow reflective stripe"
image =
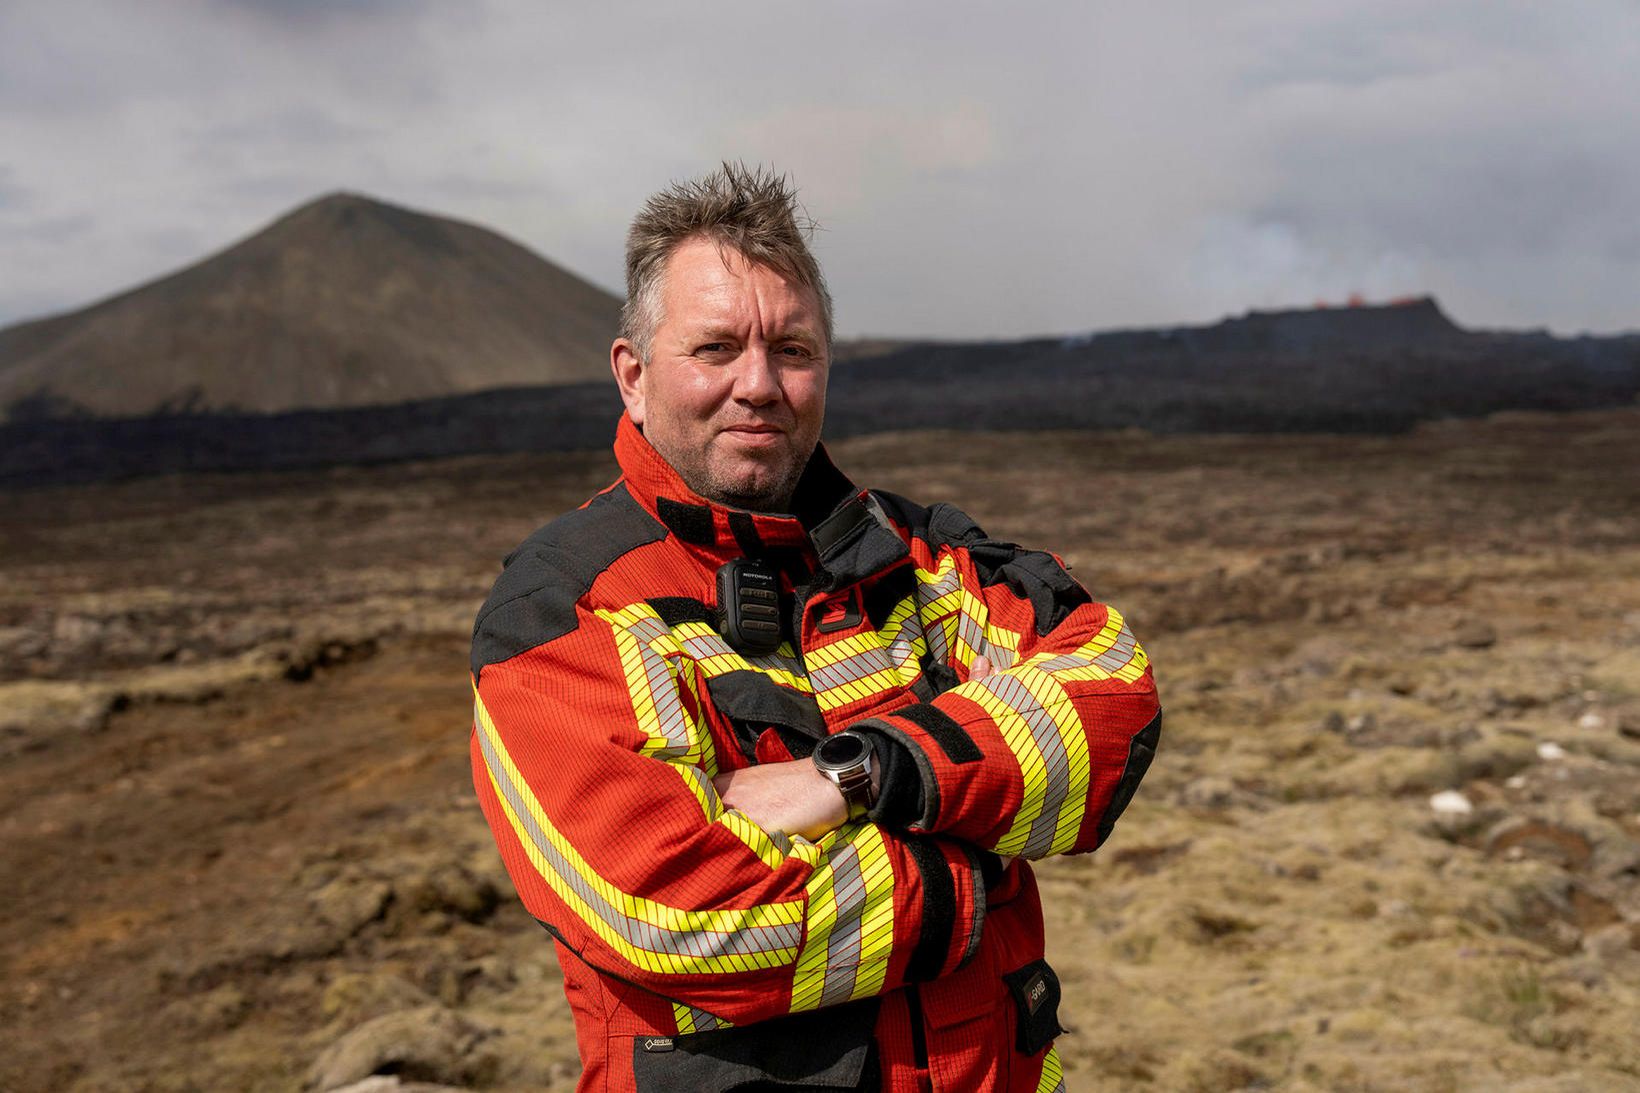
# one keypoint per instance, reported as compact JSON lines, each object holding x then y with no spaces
{"x":699,"y":783}
{"x":970,"y":633}
{"x":826,"y":655}
{"x":858,"y":690}
{"x":1128,"y":673}
{"x":1110,"y":654}
{"x":939,"y":595}
{"x":649,"y":934}
{"x":851,"y":920}
{"x":1072,"y":808}
{"x":649,"y":659}
{"x":877,"y":921}
{"x":690,"y":1019}
{"x":1004,"y":646}
{"x":1053,"y":1073}
{"x":756,"y":839}
{"x":1022,"y":743}
{"x":902,"y":636}
{"x":809,"y":978}
{"x":1043,"y":730}
{"x":712,"y":656}
{"x":867,"y":665}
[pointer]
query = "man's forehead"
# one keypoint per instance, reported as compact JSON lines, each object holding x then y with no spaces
{"x":706,"y":280}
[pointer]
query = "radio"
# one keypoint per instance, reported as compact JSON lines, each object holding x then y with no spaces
{"x":749,"y":606}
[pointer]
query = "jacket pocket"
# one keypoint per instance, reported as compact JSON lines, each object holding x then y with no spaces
{"x":826,"y":1050}
{"x":752,"y":702}
{"x":1035,"y":988}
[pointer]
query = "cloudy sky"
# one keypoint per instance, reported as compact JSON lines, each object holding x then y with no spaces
{"x":977,"y":169}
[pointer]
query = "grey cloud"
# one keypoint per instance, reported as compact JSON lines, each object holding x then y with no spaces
{"x":320,"y":11}
{"x":54,"y":231}
{"x":14,"y":197}
{"x":976,"y":172}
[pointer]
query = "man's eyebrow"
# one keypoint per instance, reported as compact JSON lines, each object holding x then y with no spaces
{"x":797,"y":334}
{"x":801,"y":333}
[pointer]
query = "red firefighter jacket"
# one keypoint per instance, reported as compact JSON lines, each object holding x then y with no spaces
{"x":701,"y":952}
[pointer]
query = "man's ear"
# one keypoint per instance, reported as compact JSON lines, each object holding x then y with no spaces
{"x":628,"y":368}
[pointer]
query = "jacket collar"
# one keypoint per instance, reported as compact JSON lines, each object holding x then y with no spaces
{"x":826,"y":505}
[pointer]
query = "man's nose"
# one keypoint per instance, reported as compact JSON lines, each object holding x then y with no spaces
{"x":757,"y":381}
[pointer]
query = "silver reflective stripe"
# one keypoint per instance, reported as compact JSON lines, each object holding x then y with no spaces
{"x":843,"y":947}
{"x":706,"y":646}
{"x":968,"y":630}
{"x":938,"y":649}
{"x":1119,"y":654}
{"x":902,"y":647}
{"x":1002,"y":657}
{"x":867,"y":662}
{"x":1117,"y":657}
{"x":1062,"y":661}
{"x":663,"y":690}
{"x":702,"y":944}
{"x":1056,"y":763}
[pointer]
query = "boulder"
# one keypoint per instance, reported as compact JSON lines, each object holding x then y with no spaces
{"x":1475,"y":634}
{"x":350,"y":902}
{"x":428,"y":1044}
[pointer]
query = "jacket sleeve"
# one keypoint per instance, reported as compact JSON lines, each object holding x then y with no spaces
{"x":593,"y":766}
{"x":1041,"y":757}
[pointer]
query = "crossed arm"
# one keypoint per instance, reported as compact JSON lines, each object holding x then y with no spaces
{"x":793,"y":796}
{"x":619,"y":832}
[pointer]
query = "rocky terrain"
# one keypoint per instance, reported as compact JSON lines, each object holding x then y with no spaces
{"x":1361,"y":369}
{"x":1391,"y":840}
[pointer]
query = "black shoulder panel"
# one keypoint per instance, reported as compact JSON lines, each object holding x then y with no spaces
{"x":948,"y":524}
{"x":887,"y":593}
{"x":534,"y":599}
{"x":1031,"y":575}
{"x":939,"y":524}
{"x":908,"y":514}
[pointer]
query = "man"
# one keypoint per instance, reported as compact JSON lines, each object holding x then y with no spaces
{"x":767,"y":753}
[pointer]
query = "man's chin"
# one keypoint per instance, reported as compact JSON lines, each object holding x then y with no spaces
{"x":763,"y":489}
{"x":754,"y":500}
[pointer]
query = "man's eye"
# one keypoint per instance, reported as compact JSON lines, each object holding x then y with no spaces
{"x":793,"y":351}
{"x":713,"y":347}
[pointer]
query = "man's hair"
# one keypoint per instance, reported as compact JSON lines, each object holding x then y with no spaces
{"x":751,"y":211}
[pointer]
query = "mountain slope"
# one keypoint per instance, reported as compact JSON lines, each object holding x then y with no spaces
{"x":345,"y":301}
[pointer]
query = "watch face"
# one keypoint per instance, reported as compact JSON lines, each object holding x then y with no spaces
{"x":841,"y":751}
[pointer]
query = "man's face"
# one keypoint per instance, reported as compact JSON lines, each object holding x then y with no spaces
{"x":734,"y":392}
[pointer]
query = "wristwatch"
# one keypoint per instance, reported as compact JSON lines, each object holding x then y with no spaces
{"x":847,"y":759}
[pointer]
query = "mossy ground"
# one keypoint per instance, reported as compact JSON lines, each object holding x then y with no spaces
{"x":238,"y":819}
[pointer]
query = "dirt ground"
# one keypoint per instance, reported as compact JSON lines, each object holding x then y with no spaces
{"x":239,"y":847}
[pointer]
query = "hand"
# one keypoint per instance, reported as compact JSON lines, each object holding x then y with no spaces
{"x":792,"y":797}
